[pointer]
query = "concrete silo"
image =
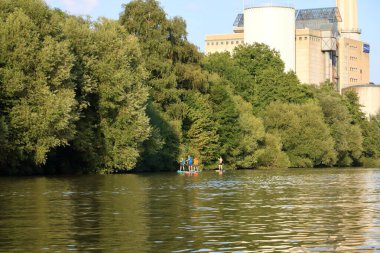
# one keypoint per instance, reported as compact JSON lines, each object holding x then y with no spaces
{"x":273,"y":23}
{"x":369,"y":98}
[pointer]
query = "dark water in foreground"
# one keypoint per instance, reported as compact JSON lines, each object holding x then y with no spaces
{"x":243,"y":211}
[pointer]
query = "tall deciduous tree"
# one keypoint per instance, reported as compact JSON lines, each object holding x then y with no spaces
{"x":226,"y":115}
{"x":122,"y":97}
{"x":37,"y":89}
{"x":227,"y":67}
{"x":347,"y":136}
{"x":201,"y":138}
{"x":251,"y":134}
{"x":305,"y":136}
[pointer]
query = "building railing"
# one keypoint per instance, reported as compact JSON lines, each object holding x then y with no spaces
{"x":354,"y":30}
{"x":268,"y":3}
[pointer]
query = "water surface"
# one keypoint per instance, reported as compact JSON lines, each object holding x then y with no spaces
{"x":333,"y":210}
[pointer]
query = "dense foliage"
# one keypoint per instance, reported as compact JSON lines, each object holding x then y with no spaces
{"x":72,"y":92}
{"x":80,"y":96}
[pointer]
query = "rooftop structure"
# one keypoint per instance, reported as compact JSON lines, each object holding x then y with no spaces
{"x":324,"y":19}
{"x":239,"y":23}
{"x":317,"y":19}
{"x":332,"y":14}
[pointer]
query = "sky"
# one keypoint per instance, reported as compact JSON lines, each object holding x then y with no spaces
{"x":217,"y":16}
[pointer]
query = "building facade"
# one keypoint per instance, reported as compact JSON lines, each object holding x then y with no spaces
{"x":310,"y":62}
{"x":318,"y":44}
{"x":223,"y":42}
{"x":321,"y":46}
{"x":353,"y":62}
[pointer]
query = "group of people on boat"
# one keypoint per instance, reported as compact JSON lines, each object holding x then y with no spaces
{"x":193,"y":165}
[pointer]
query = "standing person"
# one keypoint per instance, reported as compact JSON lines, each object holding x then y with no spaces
{"x":196,"y":163}
{"x":182,"y":164}
{"x":190,"y":163}
{"x":220,"y":164}
{"x":186,"y":164}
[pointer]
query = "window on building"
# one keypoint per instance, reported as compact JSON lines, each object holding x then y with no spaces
{"x":232,"y":42}
{"x":300,"y":38}
{"x":226,"y":42}
{"x":305,"y":38}
{"x":216,"y":43}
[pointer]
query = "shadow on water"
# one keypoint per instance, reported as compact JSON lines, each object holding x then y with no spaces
{"x":241,"y":211}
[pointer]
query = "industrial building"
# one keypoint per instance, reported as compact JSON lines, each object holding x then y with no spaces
{"x":318,"y":44}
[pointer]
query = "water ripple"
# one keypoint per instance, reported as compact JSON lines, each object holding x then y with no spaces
{"x":243,"y":211}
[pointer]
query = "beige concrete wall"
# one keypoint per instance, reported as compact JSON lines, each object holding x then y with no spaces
{"x":369,"y":98}
{"x":354,"y":67}
{"x":223,"y":42}
{"x":310,"y":60}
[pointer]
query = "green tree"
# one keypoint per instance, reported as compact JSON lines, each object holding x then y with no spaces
{"x":347,"y":136}
{"x":173,"y":66}
{"x":36,"y":88}
{"x":86,"y":150}
{"x":274,"y":86}
{"x":258,"y":57}
{"x":257,"y":74}
{"x":201,"y":136}
{"x":240,"y":79}
{"x":226,"y":115}
{"x":122,"y":97}
{"x":371,"y":144}
{"x":305,"y":136}
{"x":354,"y":107}
{"x":271,"y":155}
{"x":162,"y":149}
{"x":250,"y":136}
{"x":72,"y":91}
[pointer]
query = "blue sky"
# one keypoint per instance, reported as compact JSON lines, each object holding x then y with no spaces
{"x":217,"y":16}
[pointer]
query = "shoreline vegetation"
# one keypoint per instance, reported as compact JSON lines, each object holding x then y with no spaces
{"x":134,"y":95}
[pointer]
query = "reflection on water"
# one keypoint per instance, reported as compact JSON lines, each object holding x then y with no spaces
{"x":242,"y":211}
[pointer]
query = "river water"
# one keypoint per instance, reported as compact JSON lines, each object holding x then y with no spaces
{"x":320,"y":210}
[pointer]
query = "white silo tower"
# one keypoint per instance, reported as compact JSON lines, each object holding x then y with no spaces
{"x":349,"y":28}
{"x":272,"y":22}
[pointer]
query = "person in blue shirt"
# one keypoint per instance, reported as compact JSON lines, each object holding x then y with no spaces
{"x":190,"y":163}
